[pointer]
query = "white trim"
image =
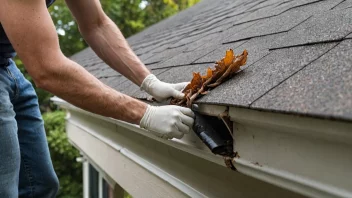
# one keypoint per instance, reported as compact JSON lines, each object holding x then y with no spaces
{"x":85,"y":167}
{"x":100,"y":185}
{"x":143,"y":163}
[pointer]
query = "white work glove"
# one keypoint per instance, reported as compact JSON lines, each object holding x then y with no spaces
{"x":169,"y":121}
{"x":161,"y":90}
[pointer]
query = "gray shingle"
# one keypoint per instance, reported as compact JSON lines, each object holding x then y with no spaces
{"x":265,"y":4}
{"x":147,"y":46}
{"x":107,"y":72}
{"x":211,"y":29}
{"x":209,"y":21}
{"x":218,"y":53}
{"x":256,"y":80}
{"x":257,"y":48}
{"x":162,"y":47}
{"x":221,"y":36}
{"x":163,"y":56}
{"x":322,"y":88}
{"x":202,"y":43}
{"x":89,"y":61}
{"x":248,"y":5}
{"x":236,"y":29}
{"x":114,"y":82}
{"x":159,"y":44}
{"x":187,"y":58}
{"x":258,"y":14}
{"x":95,"y":66}
{"x":283,"y":22}
{"x":186,"y":40}
{"x":147,"y":49}
{"x":344,"y":5}
{"x":329,"y":26}
{"x":272,"y":10}
{"x":145,"y":56}
{"x":229,"y":20}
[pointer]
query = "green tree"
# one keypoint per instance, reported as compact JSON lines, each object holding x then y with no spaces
{"x":69,"y":37}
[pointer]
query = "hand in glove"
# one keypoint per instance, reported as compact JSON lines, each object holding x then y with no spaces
{"x":161,"y":90}
{"x":169,"y":121}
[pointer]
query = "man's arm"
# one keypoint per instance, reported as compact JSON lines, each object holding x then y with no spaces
{"x":33,"y":35}
{"x":110,"y":45}
{"x":107,"y":41}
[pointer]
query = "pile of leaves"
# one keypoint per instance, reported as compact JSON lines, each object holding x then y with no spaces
{"x":201,"y":85}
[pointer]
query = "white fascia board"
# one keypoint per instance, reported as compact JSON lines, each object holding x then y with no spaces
{"x":142,"y":165}
{"x":307,"y":155}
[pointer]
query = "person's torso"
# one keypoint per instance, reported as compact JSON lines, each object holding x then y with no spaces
{"x":6,"y":49}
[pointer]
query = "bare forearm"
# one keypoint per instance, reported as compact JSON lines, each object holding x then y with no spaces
{"x":72,"y":83}
{"x":110,"y":45}
{"x":35,"y":40}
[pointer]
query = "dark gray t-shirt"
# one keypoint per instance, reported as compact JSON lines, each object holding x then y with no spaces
{"x":6,"y":49}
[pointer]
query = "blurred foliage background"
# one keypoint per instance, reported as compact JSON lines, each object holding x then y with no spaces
{"x":131,"y":16}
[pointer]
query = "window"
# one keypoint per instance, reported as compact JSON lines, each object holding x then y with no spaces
{"x":95,"y":186}
{"x":93,"y":182}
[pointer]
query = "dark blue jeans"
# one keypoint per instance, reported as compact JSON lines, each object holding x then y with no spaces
{"x":26,"y":169}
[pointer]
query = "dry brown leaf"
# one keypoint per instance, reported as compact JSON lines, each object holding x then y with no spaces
{"x":196,"y":82}
{"x":200,"y":85}
{"x":229,"y":57}
{"x":208,"y":75}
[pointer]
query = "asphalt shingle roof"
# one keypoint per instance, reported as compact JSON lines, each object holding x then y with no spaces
{"x":324,"y":87}
{"x":299,"y":54}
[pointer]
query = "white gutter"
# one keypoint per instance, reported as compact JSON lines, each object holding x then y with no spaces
{"x":200,"y":151}
{"x":293,"y":178}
